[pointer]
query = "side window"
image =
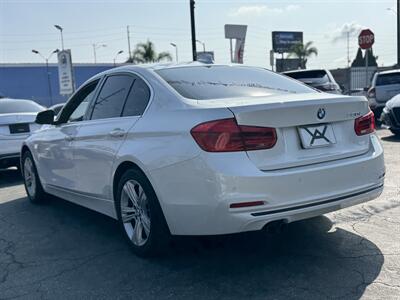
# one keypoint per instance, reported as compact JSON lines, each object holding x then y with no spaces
{"x":137,"y":100}
{"x":75,"y":109}
{"x":111,"y":99}
{"x":80,"y":111}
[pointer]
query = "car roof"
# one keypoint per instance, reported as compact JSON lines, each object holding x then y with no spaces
{"x":12,"y":100}
{"x":389,"y":72}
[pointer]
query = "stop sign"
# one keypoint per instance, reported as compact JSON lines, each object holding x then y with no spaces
{"x":366,"y":39}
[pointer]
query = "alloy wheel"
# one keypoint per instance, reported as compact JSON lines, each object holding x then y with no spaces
{"x":135,"y":212}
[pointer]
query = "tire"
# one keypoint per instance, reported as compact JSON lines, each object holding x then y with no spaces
{"x":396,"y":132}
{"x":33,"y":186}
{"x":140,"y":216}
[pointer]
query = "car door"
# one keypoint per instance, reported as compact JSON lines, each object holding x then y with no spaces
{"x":119,"y":104}
{"x":55,"y":143}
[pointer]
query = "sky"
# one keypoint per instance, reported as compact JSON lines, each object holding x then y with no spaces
{"x":27,"y":25}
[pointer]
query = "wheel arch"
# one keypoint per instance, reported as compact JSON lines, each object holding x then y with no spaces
{"x":121,"y":169}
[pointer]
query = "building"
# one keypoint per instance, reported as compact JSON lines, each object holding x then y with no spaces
{"x":30,"y":81}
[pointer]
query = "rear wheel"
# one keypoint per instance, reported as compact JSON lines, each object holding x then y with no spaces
{"x":32,"y":184}
{"x":140,"y":215}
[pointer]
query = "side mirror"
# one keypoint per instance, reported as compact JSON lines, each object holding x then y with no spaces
{"x":45,"y":117}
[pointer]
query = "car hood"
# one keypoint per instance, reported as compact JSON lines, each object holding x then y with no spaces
{"x":394,"y":102}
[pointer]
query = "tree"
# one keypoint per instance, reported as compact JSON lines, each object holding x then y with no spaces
{"x":303,"y":52}
{"x":145,"y":53}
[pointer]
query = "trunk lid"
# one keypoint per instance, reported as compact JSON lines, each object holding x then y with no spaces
{"x":17,"y":125}
{"x":290,"y":113}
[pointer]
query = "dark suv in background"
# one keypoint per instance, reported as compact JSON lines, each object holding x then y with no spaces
{"x":320,"y":79}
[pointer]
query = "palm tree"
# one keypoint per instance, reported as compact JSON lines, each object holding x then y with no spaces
{"x":145,"y":53}
{"x":303,"y":52}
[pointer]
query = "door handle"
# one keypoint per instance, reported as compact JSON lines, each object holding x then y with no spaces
{"x":117,"y":132}
{"x":69,"y":138}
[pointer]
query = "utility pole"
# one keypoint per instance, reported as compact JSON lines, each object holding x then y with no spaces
{"x":129,"y":41}
{"x":193,"y":28}
{"x":348,"y":49}
{"x":398,"y":33}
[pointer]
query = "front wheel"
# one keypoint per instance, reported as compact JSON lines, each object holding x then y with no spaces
{"x":140,"y":215}
{"x":32,"y":184}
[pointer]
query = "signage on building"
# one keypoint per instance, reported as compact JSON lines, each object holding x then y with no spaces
{"x":237,"y":33}
{"x":65,"y":72}
{"x":283,"y":41}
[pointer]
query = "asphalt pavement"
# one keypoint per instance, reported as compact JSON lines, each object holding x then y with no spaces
{"x":62,"y":251}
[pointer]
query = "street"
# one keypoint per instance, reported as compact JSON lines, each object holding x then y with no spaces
{"x":60,"y":250}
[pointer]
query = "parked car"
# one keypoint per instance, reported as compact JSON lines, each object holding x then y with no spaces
{"x":203,"y":150}
{"x":391,"y":115}
{"x":17,"y":121}
{"x":320,"y":79}
{"x":57,"y":108}
{"x":384,"y":86}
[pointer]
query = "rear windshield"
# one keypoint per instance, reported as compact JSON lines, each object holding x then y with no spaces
{"x":215,"y":82}
{"x":307,"y":74}
{"x":19,"y":106}
{"x":385,"y":79}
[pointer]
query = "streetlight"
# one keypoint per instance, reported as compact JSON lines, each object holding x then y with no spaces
{"x":118,"y":53}
{"x":47,"y":70}
{"x":61,"y":32}
{"x":95,"y":47}
{"x":204,"y":45}
{"x":176,"y":50}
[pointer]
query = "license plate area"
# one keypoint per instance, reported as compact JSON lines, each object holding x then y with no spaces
{"x":315,"y":136}
{"x":19,"y":128}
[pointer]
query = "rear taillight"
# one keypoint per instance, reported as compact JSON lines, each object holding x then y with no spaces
{"x":371,"y":93}
{"x":227,"y":136}
{"x":365,"y":124}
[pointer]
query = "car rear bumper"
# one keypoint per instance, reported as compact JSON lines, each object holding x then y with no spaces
{"x":195,"y":195}
{"x":9,"y":160}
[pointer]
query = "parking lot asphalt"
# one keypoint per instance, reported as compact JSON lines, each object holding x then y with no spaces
{"x":62,"y":251}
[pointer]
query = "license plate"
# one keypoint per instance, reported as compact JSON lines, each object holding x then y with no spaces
{"x":19,"y":128}
{"x":314,"y":136}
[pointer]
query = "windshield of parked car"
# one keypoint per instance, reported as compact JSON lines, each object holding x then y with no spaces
{"x":215,"y":82}
{"x":19,"y":106}
{"x":386,"y":79}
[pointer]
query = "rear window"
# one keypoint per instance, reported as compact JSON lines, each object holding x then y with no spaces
{"x":19,"y":106}
{"x":386,"y":79}
{"x":307,"y":74}
{"x":215,"y":82}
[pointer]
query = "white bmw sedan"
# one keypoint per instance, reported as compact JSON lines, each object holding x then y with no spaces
{"x":17,"y":121}
{"x":204,"y":150}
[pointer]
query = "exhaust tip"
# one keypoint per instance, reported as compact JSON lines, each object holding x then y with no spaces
{"x":276,"y":226}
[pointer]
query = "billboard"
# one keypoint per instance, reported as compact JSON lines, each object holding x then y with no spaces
{"x":65,"y":75}
{"x":206,"y":57}
{"x":237,"y":33}
{"x":283,"y":41}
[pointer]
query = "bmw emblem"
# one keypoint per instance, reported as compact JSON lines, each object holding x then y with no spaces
{"x":321,"y":113}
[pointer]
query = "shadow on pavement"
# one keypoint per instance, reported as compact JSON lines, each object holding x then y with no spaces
{"x":10,"y":177}
{"x":391,"y":138}
{"x":62,"y":250}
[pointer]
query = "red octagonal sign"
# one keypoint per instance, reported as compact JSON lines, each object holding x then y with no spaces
{"x":366,"y":39}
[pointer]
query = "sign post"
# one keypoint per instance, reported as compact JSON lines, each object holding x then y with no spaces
{"x":238,"y":33}
{"x":366,"y":39}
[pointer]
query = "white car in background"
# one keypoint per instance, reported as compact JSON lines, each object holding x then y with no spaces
{"x":319,"y":79}
{"x":384,"y":86}
{"x":17,"y":121}
{"x":391,"y":115}
{"x":204,"y":150}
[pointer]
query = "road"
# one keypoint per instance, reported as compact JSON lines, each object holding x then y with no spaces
{"x":59,"y":250}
